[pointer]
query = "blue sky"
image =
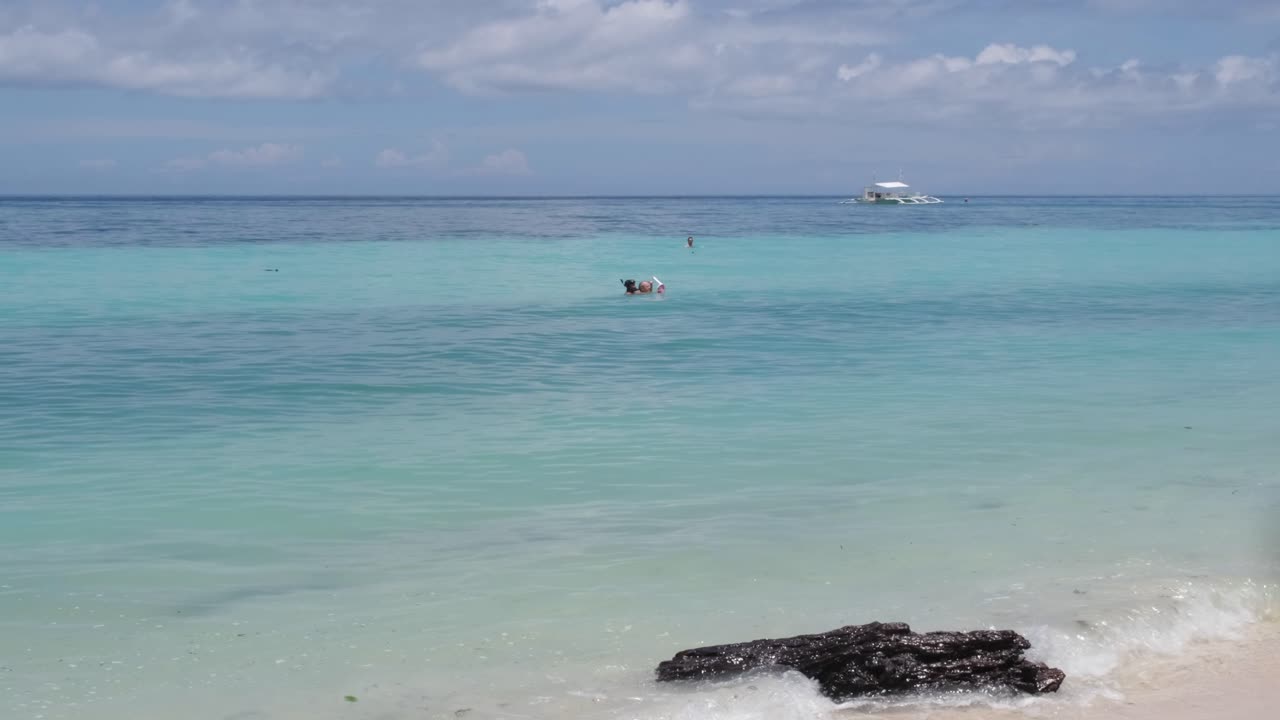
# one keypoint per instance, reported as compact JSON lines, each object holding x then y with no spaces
{"x":638,"y":97}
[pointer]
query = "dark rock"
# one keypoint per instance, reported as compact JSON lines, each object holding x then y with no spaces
{"x":879,"y":659}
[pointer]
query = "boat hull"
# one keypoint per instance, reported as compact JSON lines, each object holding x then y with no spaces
{"x":922,"y":200}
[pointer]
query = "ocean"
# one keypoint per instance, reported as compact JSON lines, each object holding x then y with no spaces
{"x":385,"y":458}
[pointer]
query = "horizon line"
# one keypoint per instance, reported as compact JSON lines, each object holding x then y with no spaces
{"x":697,"y":196}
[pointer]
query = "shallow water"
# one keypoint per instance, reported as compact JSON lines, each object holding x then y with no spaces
{"x":438,"y":461}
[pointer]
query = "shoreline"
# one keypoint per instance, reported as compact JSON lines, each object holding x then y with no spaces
{"x":1228,"y":679}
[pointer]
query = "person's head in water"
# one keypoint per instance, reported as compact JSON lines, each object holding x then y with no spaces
{"x":646,"y":287}
{"x":689,"y":242}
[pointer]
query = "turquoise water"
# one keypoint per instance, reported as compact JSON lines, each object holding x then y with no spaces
{"x":439,"y":462}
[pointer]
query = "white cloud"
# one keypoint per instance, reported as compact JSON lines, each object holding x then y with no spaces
{"x":640,"y":46}
{"x":263,"y":155}
{"x":29,"y":52}
{"x":763,"y":61}
{"x":1242,"y":9}
{"x":573,"y":44}
{"x":259,"y":156}
{"x":507,"y":162}
{"x":1041,"y":85}
{"x":1010,"y":54}
{"x":1238,"y":69}
{"x":745,"y":35}
{"x":91,"y":127}
{"x":434,"y":159}
{"x":849,"y":72}
{"x":743,"y":56}
{"x":30,"y":55}
{"x":391,"y":158}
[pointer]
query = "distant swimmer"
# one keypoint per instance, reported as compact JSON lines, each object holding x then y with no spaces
{"x":689,"y":242}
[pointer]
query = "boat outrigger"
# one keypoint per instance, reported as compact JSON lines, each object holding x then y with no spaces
{"x":894,"y":192}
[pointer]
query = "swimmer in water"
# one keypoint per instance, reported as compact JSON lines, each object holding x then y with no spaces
{"x":689,"y":242}
{"x":643,"y":288}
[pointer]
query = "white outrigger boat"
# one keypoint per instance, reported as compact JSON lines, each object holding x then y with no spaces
{"x":894,"y":192}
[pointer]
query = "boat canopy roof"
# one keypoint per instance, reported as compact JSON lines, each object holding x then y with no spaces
{"x":892,"y":185}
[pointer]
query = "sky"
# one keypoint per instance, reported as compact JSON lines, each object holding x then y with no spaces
{"x":643,"y":97}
